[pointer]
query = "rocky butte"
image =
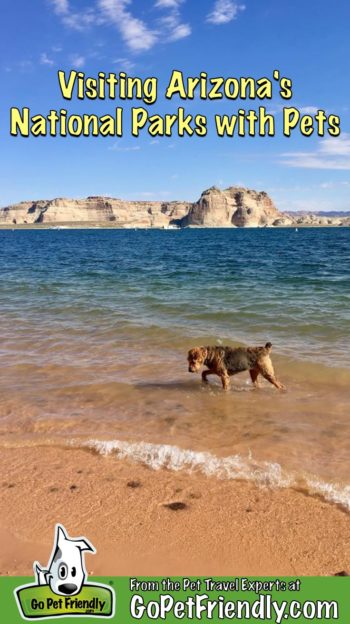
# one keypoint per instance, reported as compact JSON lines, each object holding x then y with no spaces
{"x":232,"y":207}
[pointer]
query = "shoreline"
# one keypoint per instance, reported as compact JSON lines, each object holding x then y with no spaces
{"x":157,"y":522}
{"x":235,"y":206}
{"x":104,"y":226}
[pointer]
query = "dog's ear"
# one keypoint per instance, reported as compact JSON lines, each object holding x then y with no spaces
{"x":61,"y":536}
{"x":197,"y":353}
{"x":40,"y":573}
{"x":203,"y":352}
{"x":84,"y":544}
{"x":190,"y":354}
{"x":268,"y":347}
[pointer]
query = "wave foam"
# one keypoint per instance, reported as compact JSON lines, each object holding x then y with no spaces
{"x":158,"y":456}
{"x":262,"y":473}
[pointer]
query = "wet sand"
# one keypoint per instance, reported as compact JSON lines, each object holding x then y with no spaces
{"x":143,"y":521}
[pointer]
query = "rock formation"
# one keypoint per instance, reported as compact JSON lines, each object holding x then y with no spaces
{"x":232,"y":207}
{"x":235,"y":206}
{"x":95,"y":210}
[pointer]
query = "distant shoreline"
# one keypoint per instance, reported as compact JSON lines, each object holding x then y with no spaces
{"x":104,"y":226}
{"x":216,"y":208}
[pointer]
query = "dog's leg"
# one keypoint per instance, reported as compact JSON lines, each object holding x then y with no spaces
{"x":225,"y":380}
{"x":274,"y":381}
{"x":266,"y":370}
{"x":205,"y":375}
{"x":254,"y":374}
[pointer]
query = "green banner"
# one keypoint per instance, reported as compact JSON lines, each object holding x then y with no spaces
{"x":39,"y":601}
{"x":179,"y":599}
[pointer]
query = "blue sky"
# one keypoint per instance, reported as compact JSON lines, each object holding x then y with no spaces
{"x":307,"y":41}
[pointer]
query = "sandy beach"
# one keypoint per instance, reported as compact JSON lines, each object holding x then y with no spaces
{"x":149,"y":522}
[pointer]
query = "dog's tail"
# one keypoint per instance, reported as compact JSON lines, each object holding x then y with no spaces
{"x":268,"y":346}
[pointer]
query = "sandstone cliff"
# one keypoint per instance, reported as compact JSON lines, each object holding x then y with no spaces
{"x":232,"y":207}
{"x":98,"y":210}
{"x":310,"y":219}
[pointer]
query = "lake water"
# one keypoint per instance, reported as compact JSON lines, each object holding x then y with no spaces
{"x":95,"y":327}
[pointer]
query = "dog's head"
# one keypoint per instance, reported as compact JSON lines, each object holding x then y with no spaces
{"x":196,"y":358}
{"x":261,"y":352}
{"x":66,"y":572}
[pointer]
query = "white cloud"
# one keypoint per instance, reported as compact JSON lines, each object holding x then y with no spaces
{"x":332,"y":153}
{"x":154,"y":195}
{"x":124,"y":64}
{"x":339,"y":146}
{"x":136,"y":34}
{"x":77,"y":20}
{"x":309,"y":110}
{"x":45,"y":60}
{"x":81,"y":21}
{"x":168,"y":4}
{"x":180,"y":31}
{"x":116,"y":147}
{"x":224,"y":11}
{"x":174,"y":27}
{"x":133,"y":30}
{"x":78,"y":61}
{"x":61,"y":7}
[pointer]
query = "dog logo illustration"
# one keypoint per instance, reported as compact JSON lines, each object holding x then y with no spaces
{"x":66,"y":570}
{"x":61,"y":589}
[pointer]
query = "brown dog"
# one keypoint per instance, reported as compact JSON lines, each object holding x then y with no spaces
{"x":226,"y":361}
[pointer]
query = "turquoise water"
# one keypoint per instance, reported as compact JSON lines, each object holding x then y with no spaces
{"x":95,"y":326}
{"x":292,"y":288}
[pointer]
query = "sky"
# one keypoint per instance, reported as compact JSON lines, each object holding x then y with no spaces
{"x":307,"y":42}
